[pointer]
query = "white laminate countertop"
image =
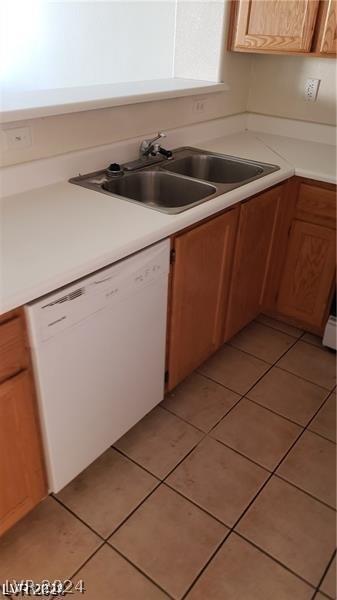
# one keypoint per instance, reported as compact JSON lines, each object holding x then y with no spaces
{"x":53,"y":235}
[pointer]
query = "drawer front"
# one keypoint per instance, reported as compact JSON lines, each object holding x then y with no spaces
{"x":316,"y":204}
{"x":13,"y":355}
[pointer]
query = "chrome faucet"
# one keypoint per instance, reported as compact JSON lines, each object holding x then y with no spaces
{"x":148,"y":147}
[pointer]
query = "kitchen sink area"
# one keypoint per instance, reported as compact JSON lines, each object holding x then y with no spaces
{"x":172,"y":185}
{"x":158,"y":189}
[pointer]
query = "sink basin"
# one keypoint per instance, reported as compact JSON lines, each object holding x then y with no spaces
{"x":159,"y":190}
{"x":191,"y":177}
{"x":214,"y":168}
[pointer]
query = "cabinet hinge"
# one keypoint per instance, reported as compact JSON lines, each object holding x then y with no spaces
{"x":166,"y":377}
{"x":172,"y":256}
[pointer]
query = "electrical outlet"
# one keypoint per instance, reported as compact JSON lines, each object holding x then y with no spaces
{"x":311,"y":89}
{"x":199,"y":106}
{"x":19,"y":137}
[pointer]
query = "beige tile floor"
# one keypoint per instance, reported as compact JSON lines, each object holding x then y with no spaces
{"x":226,"y":491}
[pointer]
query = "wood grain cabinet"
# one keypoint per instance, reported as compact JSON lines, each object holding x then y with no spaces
{"x":307,"y":278}
{"x":308,"y":273}
{"x":22,"y":477}
{"x":255,"y":238}
{"x":283,"y":26}
{"x":200,"y":283}
{"x":325,"y":43}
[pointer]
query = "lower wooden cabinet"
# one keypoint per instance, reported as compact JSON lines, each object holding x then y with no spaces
{"x":200,"y":283}
{"x":22,"y":476}
{"x":257,"y":224}
{"x":308,"y":273}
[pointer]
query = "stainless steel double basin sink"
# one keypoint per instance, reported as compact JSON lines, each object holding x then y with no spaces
{"x":190,"y":177}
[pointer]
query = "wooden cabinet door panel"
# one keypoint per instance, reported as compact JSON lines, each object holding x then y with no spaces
{"x":308,"y":273}
{"x":269,"y":25}
{"x":22,"y":483}
{"x":316,"y":204}
{"x":202,"y":268}
{"x":327,"y":29}
{"x":256,"y":229}
{"x":13,"y":355}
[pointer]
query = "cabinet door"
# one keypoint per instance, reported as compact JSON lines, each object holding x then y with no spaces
{"x":22,"y":483}
{"x":255,"y":236}
{"x":308,"y":273}
{"x":202,"y":269}
{"x":327,"y":28}
{"x":274,"y":25}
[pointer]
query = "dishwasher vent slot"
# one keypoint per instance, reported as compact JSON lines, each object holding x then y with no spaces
{"x":68,"y":297}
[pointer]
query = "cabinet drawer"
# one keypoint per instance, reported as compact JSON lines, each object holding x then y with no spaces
{"x":13,"y":355}
{"x":316,"y":204}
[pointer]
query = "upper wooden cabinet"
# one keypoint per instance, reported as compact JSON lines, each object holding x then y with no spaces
{"x":283,"y":26}
{"x":326,"y":30}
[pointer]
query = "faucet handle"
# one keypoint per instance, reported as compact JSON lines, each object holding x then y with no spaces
{"x":160,"y":134}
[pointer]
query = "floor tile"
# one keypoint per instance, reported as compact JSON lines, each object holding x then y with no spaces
{"x":107,"y":491}
{"x":310,"y":338}
{"x":325,"y":421}
{"x":263,"y":342}
{"x":109,"y":576}
{"x":200,"y":401}
{"x":218,"y":479}
{"x":311,"y":465}
{"x":292,"y":527}
{"x":328,"y":585}
{"x":311,"y":363}
{"x":288,"y":395}
{"x":241,"y":572}
{"x":284,"y":327}
{"x":234,"y":369}
{"x":257,"y":433}
{"x":159,"y":441}
{"x":49,"y":543}
{"x":169,"y":539}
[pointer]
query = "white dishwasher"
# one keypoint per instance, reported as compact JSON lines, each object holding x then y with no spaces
{"x":98,"y":349}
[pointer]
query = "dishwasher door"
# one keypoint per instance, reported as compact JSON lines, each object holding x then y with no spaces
{"x":98,"y":349}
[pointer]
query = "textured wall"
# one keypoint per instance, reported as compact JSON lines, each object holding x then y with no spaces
{"x":277,"y":87}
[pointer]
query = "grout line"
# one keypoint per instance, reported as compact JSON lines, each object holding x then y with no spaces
{"x":76,"y":516}
{"x":328,"y":390}
{"x":241,"y":535}
{"x":305,"y":492}
{"x":182,"y":419}
{"x":194,"y":502}
{"x":251,"y":460}
{"x":53,"y":597}
{"x":283,"y":416}
{"x":324,"y":575}
{"x":139,"y":570}
{"x":135,"y":462}
{"x":132,"y":512}
{"x":297,"y":337}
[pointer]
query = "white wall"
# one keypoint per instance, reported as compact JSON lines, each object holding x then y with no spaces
{"x":277,"y":87}
{"x":47,"y":45}
{"x":64,"y":133}
{"x":199,"y":42}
